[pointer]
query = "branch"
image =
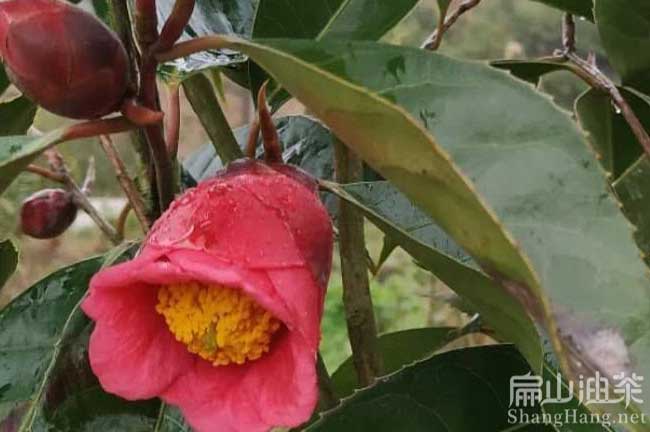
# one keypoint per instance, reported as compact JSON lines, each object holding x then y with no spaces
{"x":44,"y":172}
{"x":175,"y":24}
{"x":433,"y":42}
{"x":200,"y":94}
{"x":359,"y":312}
{"x":146,"y":32}
{"x":589,"y":73}
{"x":81,"y":200}
{"x":129,"y":188}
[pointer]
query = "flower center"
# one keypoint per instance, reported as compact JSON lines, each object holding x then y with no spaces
{"x":220,"y":324}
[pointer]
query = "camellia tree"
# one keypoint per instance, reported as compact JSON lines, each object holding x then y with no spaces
{"x":538,"y":219}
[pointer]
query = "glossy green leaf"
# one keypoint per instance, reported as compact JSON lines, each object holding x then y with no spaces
{"x":497,"y":308}
{"x":529,"y":70}
{"x":229,"y":17}
{"x":624,"y":27}
{"x":466,"y":142}
{"x":398,"y":350}
{"x":581,"y":8}
{"x":462,"y":391}
{"x":306,"y":143}
{"x":16,"y":152}
{"x":8,"y":260}
{"x":43,"y":352}
{"x":329,"y":19}
{"x":323,"y":19}
{"x":610,"y":134}
{"x":17,"y":116}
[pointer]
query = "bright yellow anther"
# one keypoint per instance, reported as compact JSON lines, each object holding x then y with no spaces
{"x":220,"y":324}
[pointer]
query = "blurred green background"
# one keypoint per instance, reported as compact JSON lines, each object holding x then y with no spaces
{"x":405,"y":296}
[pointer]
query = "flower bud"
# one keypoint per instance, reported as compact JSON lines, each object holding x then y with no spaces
{"x":63,"y":58}
{"x":47,"y":213}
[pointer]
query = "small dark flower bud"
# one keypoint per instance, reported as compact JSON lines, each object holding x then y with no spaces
{"x":63,"y":58}
{"x":47,"y":213}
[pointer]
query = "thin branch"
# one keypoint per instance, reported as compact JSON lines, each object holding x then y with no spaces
{"x":357,"y":301}
{"x":186,"y":48}
{"x":200,"y":93}
{"x":433,"y":42}
{"x":568,"y":33}
{"x":146,"y":32}
{"x":589,"y":72}
{"x":175,"y":24}
{"x":328,"y":399}
{"x":172,"y":128}
{"x":81,"y":200}
{"x":44,"y":172}
{"x":129,"y":188}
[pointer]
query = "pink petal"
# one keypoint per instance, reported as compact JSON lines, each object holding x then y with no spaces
{"x":280,"y":389}
{"x":131,"y":351}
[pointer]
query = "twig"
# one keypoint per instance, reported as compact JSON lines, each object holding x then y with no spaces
{"x":175,"y":24}
{"x":359,"y":312}
{"x":146,"y":31}
{"x":58,"y":165}
{"x":433,"y":42}
{"x":44,"y":172}
{"x":129,"y":188}
{"x":328,"y":399}
{"x":200,"y":93}
{"x":568,"y":33}
{"x":172,"y":129}
{"x":592,"y":75}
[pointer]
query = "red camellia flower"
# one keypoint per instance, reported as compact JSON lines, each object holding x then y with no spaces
{"x":219,"y":314}
{"x":62,"y":57}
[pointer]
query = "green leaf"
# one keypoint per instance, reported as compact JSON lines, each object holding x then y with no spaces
{"x":581,"y":8}
{"x":43,"y":352}
{"x":392,"y":205}
{"x":633,"y":189}
{"x":306,"y":143}
{"x":8,"y":260}
{"x":170,"y":419}
{"x":16,"y":152}
{"x":609,"y":133}
{"x":323,"y":19}
{"x":624,"y":27}
{"x":494,"y":163}
{"x":399,"y":349}
{"x":17,"y":116}
{"x":462,"y":390}
{"x":497,"y":308}
{"x":527,"y":70}
{"x":333,"y":19}
{"x":228,"y":17}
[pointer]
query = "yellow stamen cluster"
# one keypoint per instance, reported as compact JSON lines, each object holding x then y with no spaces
{"x":220,"y":324}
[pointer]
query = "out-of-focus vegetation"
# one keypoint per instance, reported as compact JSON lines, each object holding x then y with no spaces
{"x":405,"y":295}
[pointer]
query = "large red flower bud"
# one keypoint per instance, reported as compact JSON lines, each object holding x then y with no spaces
{"x":47,"y":213}
{"x":63,"y":58}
